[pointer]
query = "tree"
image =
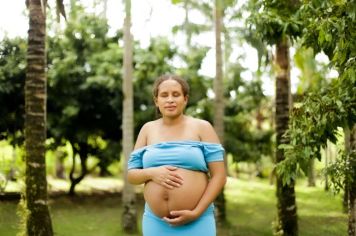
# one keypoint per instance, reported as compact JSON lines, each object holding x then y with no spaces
{"x":311,"y":79}
{"x":276,"y":22}
{"x":38,"y":220}
{"x":83,"y":64}
{"x":129,"y":214}
{"x":351,"y":184}
{"x":287,"y":208}
{"x":219,"y":104}
{"x":327,"y":25}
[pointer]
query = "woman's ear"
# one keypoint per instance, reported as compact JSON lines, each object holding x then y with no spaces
{"x":186,"y":98}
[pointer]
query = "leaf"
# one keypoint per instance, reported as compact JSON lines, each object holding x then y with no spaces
{"x":176,"y":1}
{"x":321,"y":37}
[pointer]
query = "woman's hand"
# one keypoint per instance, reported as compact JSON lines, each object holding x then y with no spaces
{"x":180,"y":217}
{"x":166,"y":176}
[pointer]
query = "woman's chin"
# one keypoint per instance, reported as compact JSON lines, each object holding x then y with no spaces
{"x":172,"y":114}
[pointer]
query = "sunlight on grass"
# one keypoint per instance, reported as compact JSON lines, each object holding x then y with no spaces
{"x":88,"y":184}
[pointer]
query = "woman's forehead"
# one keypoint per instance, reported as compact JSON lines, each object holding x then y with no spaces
{"x":170,"y":85}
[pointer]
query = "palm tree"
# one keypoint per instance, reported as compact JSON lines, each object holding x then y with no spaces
{"x":129,"y":214}
{"x":287,"y":208}
{"x":219,"y":99}
{"x":38,"y":220}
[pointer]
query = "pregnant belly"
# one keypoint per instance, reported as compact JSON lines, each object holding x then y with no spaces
{"x":162,"y":200}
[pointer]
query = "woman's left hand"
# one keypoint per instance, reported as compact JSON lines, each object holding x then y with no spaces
{"x":180,"y":217}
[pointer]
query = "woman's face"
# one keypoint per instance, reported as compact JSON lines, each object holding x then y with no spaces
{"x":170,"y":99}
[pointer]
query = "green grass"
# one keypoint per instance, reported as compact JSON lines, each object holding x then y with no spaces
{"x":250,"y":209}
{"x":87,"y":217}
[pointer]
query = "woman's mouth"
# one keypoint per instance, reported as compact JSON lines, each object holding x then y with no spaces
{"x":170,"y":107}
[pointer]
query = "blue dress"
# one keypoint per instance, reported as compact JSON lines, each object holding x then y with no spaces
{"x":191,"y":155}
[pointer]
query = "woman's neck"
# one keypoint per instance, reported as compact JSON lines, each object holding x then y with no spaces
{"x":172,"y":121}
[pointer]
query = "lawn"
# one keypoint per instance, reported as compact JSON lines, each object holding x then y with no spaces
{"x":250,"y":209}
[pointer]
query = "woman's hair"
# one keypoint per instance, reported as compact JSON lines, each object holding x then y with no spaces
{"x":183,"y":83}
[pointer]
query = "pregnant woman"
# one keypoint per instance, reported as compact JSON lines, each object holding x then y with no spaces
{"x":180,"y":161}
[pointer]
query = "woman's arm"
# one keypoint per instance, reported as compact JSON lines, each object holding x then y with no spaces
{"x":216,"y":169}
{"x":140,"y":176}
{"x":215,"y":185}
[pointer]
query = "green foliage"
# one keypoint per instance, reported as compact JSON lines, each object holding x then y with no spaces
{"x":176,"y":1}
{"x":243,"y":139}
{"x":313,"y":73}
{"x":22,"y":212}
{"x":198,"y":83}
{"x":273,"y":20}
{"x":84,"y":95}
{"x":188,"y":26}
{"x":12,"y":79}
{"x":328,"y":25}
{"x":316,"y":120}
{"x":340,"y":172}
{"x":244,"y":142}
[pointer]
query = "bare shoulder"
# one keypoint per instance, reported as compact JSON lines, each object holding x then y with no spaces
{"x":206,"y":131}
{"x":200,"y":123}
{"x":149,"y":125}
{"x":141,"y":140}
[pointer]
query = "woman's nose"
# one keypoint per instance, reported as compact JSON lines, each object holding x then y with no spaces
{"x":170,"y":99}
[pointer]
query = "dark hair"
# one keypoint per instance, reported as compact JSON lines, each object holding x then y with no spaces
{"x":183,"y":83}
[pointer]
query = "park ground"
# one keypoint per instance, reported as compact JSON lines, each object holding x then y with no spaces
{"x":251,"y":209}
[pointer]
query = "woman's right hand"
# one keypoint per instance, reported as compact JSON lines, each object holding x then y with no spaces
{"x":166,"y":176}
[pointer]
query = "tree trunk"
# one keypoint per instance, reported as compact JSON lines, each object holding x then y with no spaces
{"x":188,"y":31}
{"x":83,"y":156}
{"x":311,"y":174}
{"x":287,"y":208}
{"x":219,"y":101}
{"x":129,"y":213}
{"x":347,"y":139}
{"x":38,"y":220}
{"x":104,"y":172}
{"x":352,"y":184}
{"x":105,"y":8}
{"x":326,"y":186}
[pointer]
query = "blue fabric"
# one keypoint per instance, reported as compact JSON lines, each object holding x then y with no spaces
{"x":191,"y":155}
{"x":153,"y":225}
